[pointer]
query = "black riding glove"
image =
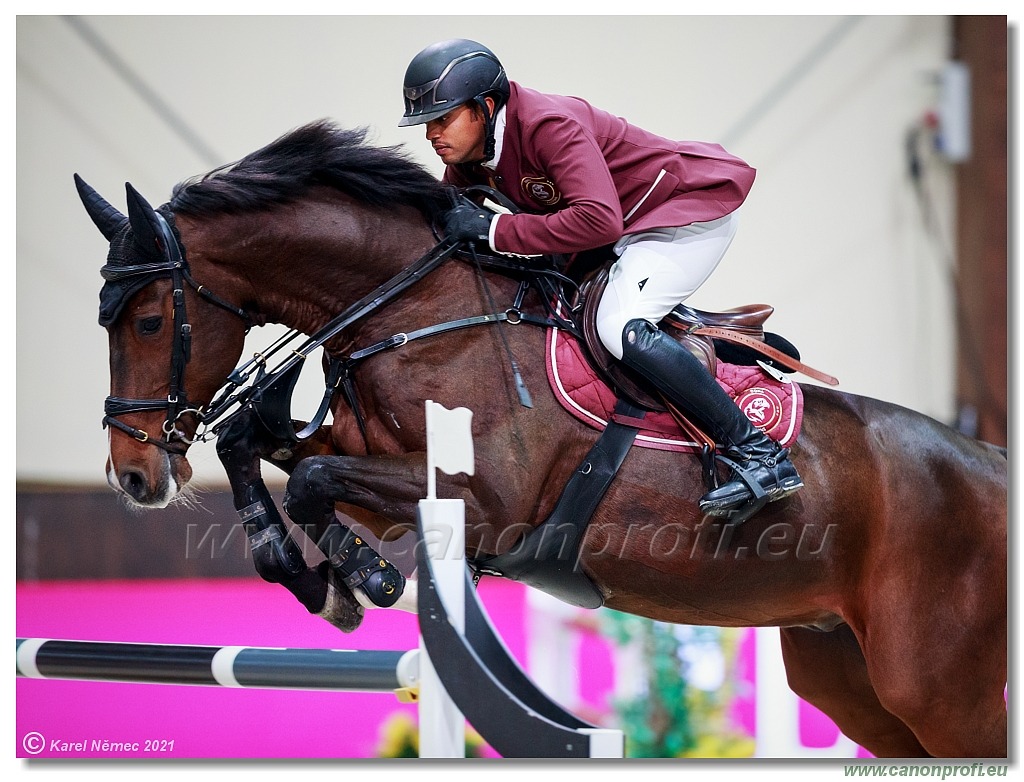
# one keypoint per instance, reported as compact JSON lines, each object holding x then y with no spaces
{"x":467,"y":223}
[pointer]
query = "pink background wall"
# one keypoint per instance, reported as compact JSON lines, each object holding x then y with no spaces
{"x":213,"y":722}
{"x":217,"y":722}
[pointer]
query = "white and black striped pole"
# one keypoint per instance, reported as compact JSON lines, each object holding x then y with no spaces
{"x":223,"y":666}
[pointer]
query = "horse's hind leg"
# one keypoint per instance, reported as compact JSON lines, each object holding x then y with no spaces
{"x":827,"y":669}
{"x":948,"y":686}
{"x":934,"y":623}
{"x":944,"y":674}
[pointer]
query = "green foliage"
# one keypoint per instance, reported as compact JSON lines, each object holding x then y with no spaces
{"x":670,"y":718}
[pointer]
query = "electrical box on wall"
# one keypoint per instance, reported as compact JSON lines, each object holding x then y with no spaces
{"x":954,"y":112}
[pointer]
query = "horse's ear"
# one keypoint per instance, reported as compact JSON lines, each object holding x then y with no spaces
{"x":142,"y":217}
{"x":105,"y":216}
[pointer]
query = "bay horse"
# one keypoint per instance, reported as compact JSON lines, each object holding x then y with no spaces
{"x":887,"y":573}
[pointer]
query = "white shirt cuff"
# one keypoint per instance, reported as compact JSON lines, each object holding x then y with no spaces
{"x":490,"y":233}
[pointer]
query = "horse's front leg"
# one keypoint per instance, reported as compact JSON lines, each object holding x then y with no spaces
{"x":276,"y":555}
{"x":384,"y":487}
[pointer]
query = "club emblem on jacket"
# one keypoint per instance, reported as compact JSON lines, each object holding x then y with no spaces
{"x":541,"y":190}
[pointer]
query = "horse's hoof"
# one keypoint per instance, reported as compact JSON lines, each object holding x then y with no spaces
{"x":341,"y":608}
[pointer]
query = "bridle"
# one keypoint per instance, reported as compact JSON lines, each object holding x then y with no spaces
{"x":176,"y":403}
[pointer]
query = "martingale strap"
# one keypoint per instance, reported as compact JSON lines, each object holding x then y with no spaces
{"x":510,"y":316}
{"x":347,"y":366}
{"x":271,"y":393}
{"x":274,"y":405}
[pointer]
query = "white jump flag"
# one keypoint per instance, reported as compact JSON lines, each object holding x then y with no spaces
{"x":449,"y":442}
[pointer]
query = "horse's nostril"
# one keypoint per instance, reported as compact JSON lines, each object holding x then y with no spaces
{"x":134,"y":484}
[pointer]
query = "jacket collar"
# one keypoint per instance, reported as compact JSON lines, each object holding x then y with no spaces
{"x":499,"y":137}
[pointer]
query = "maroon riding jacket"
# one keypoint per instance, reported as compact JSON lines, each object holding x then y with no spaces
{"x":585,"y":178}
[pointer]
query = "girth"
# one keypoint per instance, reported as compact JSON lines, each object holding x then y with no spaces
{"x":548,"y":556}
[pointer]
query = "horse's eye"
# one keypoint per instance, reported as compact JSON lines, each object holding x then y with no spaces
{"x":150,"y":325}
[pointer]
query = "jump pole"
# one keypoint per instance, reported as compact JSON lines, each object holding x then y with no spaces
{"x":218,"y":666}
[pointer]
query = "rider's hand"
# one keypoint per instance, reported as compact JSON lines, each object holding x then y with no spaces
{"x":466,"y":222}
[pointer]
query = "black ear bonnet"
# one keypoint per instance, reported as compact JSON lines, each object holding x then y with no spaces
{"x":144,"y":246}
{"x":122,"y":274}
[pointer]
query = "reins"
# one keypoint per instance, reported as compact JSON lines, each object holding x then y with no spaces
{"x":281,"y":379}
{"x":270,"y":391}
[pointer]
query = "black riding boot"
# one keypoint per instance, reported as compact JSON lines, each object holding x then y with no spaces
{"x":761,"y":470}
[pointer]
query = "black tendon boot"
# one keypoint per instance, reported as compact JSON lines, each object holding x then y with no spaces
{"x":761,"y":470}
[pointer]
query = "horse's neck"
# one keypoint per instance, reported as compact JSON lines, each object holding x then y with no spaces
{"x":303,"y":268}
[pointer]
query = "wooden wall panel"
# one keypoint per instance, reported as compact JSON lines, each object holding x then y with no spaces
{"x":980,"y":42}
{"x":89,"y":533}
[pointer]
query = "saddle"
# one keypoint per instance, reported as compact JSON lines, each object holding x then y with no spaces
{"x":734,"y":336}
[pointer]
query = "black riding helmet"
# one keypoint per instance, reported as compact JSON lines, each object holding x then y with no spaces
{"x":449,"y":73}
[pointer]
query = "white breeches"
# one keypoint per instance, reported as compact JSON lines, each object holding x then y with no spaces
{"x":657,"y":270}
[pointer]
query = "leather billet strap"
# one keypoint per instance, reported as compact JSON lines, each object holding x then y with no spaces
{"x":754,"y":344}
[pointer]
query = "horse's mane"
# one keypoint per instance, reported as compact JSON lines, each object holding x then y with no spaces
{"x":320,"y":153}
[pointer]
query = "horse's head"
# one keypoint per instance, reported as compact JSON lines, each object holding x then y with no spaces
{"x":151,"y":308}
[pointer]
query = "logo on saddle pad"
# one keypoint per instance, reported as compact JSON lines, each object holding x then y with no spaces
{"x":761,"y":406}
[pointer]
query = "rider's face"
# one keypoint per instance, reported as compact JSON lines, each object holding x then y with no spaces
{"x":458,"y":136}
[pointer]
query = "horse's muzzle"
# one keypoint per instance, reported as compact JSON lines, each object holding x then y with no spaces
{"x":150,"y":485}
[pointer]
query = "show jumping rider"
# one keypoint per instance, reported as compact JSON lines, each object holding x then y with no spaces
{"x":586,"y":179}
